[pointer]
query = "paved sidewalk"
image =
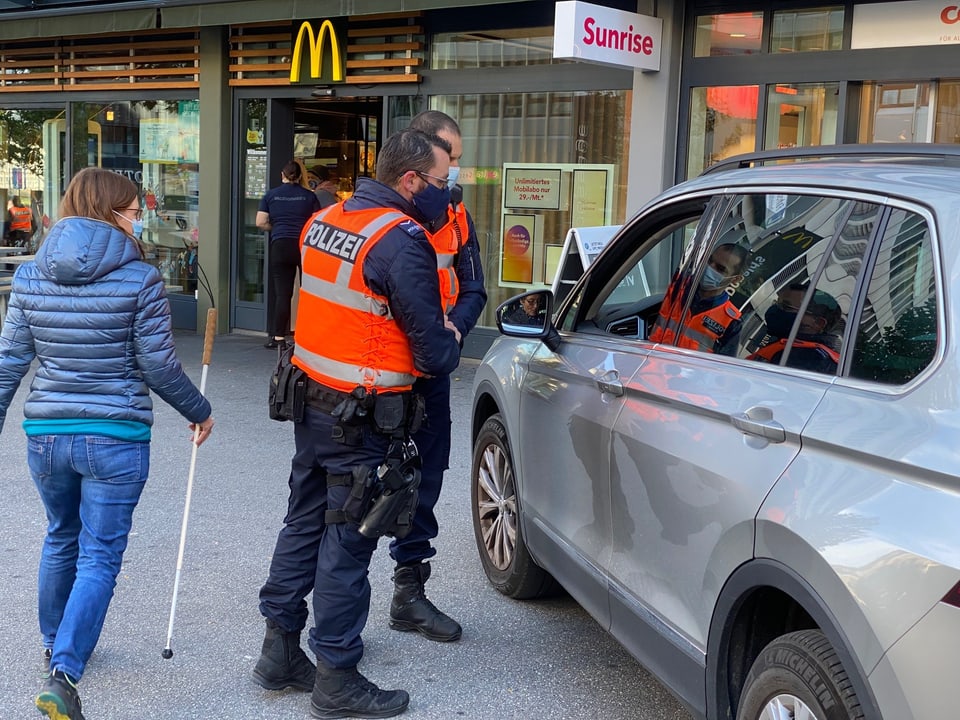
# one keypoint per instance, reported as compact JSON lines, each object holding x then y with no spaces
{"x":536,"y":660}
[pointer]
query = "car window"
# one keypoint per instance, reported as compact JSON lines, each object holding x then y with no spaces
{"x":898,"y":331}
{"x":764,"y":246}
{"x":627,"y":286}
{"x":795,"y":308}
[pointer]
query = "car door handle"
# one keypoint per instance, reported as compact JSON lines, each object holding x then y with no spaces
{"x":609,"y":382}
{"x":759,"y":421}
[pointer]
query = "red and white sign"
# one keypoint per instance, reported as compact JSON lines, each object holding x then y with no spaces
{"x":596,"y":34}
{"x":906,"y":24}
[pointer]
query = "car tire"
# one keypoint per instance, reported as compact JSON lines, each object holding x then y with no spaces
{"x":798,"y":675}
{"x":496,"y":518}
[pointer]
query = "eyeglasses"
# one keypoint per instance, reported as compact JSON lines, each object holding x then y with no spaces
{"x":788,"y":307}
{"x":442,"y":180}
{"x":137,"y":211}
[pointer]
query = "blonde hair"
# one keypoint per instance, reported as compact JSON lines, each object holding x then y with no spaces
{"x":96,"y":193}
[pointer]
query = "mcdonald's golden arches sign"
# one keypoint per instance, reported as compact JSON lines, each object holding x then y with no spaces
{"x":324,"y":45}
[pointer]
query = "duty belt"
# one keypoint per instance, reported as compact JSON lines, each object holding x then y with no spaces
{"x":322,"y":398}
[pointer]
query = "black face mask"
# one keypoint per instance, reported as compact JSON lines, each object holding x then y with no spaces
{"x":779,"y":322}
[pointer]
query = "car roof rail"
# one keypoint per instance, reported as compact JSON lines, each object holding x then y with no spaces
{"x":908,"y":153}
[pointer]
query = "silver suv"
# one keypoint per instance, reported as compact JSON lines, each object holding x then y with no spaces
{"x":735,"y":441}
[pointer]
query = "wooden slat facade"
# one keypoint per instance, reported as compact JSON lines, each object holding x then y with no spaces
{"x":145,"y":60}
{"x":385,"y":48}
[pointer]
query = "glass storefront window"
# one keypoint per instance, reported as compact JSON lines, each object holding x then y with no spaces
{"x":31,"y":170}
{"x":492,"y":48}
{"x":808,"y":30}
{"x":947,"y":126}
{"x":723,"y":122}
{"x":565,"y":128}
{"x":896,"y":113}
{"x":728,"y":34}
{"x":156,"y":144}
{"x":801,"y":115}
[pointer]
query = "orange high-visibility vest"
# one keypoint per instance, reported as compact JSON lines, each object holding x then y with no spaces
{"x":20,"y":218}
{"x":768,"y":352}
{"x":346,"y":334}
{"x":447,"y":242}
{"x":698,"y":332}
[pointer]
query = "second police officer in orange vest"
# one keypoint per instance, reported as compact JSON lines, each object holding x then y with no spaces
{"x":454,"y":239}
{"x":370,"y":322}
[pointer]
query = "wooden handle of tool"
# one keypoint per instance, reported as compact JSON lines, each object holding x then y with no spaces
{"x":208,"y":335}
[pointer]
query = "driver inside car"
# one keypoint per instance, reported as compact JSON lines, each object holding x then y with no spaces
{"x":817,"y":344}
{"x":712,"y":323}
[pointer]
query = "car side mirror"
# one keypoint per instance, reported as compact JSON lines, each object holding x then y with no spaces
{"x":529,"y":315}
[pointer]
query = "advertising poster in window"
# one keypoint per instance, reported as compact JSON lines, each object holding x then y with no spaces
{"x":590,"y":198}
{"x":532,"y":188}
{"x":518,"y":239}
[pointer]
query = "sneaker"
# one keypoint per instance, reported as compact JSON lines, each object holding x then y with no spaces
{"x":58,"y":698}
{"x":47,"y":654}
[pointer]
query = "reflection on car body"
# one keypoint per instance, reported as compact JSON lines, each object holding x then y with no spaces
{"x":771,"y":536}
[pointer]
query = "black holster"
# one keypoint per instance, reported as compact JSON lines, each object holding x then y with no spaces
{"x":287,"y":394}
{"x":395,"y":496}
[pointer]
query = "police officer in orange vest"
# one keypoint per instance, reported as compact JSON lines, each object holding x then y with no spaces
{"x":712,"y":323}
{"x":21,"y":223}
{"x":816,"y":345}
{"x":454,"y":239}
{"x":370,"y":323}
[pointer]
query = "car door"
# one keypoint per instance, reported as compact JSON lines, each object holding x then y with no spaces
{"x":703,"y":437}
{"x":570,"y":400}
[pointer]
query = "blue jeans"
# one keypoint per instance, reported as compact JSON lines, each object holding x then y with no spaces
{"x":89,"y":485}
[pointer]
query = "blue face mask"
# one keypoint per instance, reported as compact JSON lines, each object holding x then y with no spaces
{"x":712,"y":280}
{"x":136,"y":226}
{"x":452,"y":177}
{"x":432,"y":202}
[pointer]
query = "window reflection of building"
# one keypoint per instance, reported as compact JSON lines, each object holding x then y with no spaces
{"x":155,"y":143}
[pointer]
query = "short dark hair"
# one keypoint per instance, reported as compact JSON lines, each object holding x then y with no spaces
{"x":434,"y":122}
{"x":739,"y":251}
{"x":322,"y":172}
{"x":407,"y":150}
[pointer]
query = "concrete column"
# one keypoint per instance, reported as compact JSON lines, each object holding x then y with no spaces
{"x":215,"y":179}
{"x":654,"y":112}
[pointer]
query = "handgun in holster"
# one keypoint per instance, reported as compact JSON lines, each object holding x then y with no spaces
{"x":395,"y":502}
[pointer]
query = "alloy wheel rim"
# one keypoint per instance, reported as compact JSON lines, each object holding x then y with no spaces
{"x":497,"y":505}
{"x":787,"y":707}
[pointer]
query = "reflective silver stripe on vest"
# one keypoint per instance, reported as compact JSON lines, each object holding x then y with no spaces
{"x":339,"y":291}
{"x":452,"y":283}
{"x":444,"y":260}
{"x":352,"y":374}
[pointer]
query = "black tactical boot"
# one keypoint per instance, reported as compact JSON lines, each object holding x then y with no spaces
{"x":411,"y":610}
{"x":282,"y":663}
{"x":344,"y":692}
{"x":58,"y":698}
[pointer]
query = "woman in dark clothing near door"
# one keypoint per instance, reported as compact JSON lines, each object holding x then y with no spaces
{"x":283,"y":211}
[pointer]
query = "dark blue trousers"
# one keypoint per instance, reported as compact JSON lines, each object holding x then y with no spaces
{"x":331,"y":560}
{"x":433,"y":444}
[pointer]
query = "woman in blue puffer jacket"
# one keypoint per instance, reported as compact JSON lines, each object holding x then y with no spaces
{"x":96,"y":318}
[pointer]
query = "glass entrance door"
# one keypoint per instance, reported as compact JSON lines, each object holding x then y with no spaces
{"x":897,"y":112}
{"x":336,"y":138}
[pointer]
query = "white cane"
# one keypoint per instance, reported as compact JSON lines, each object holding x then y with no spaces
{"x":207,"y":350}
